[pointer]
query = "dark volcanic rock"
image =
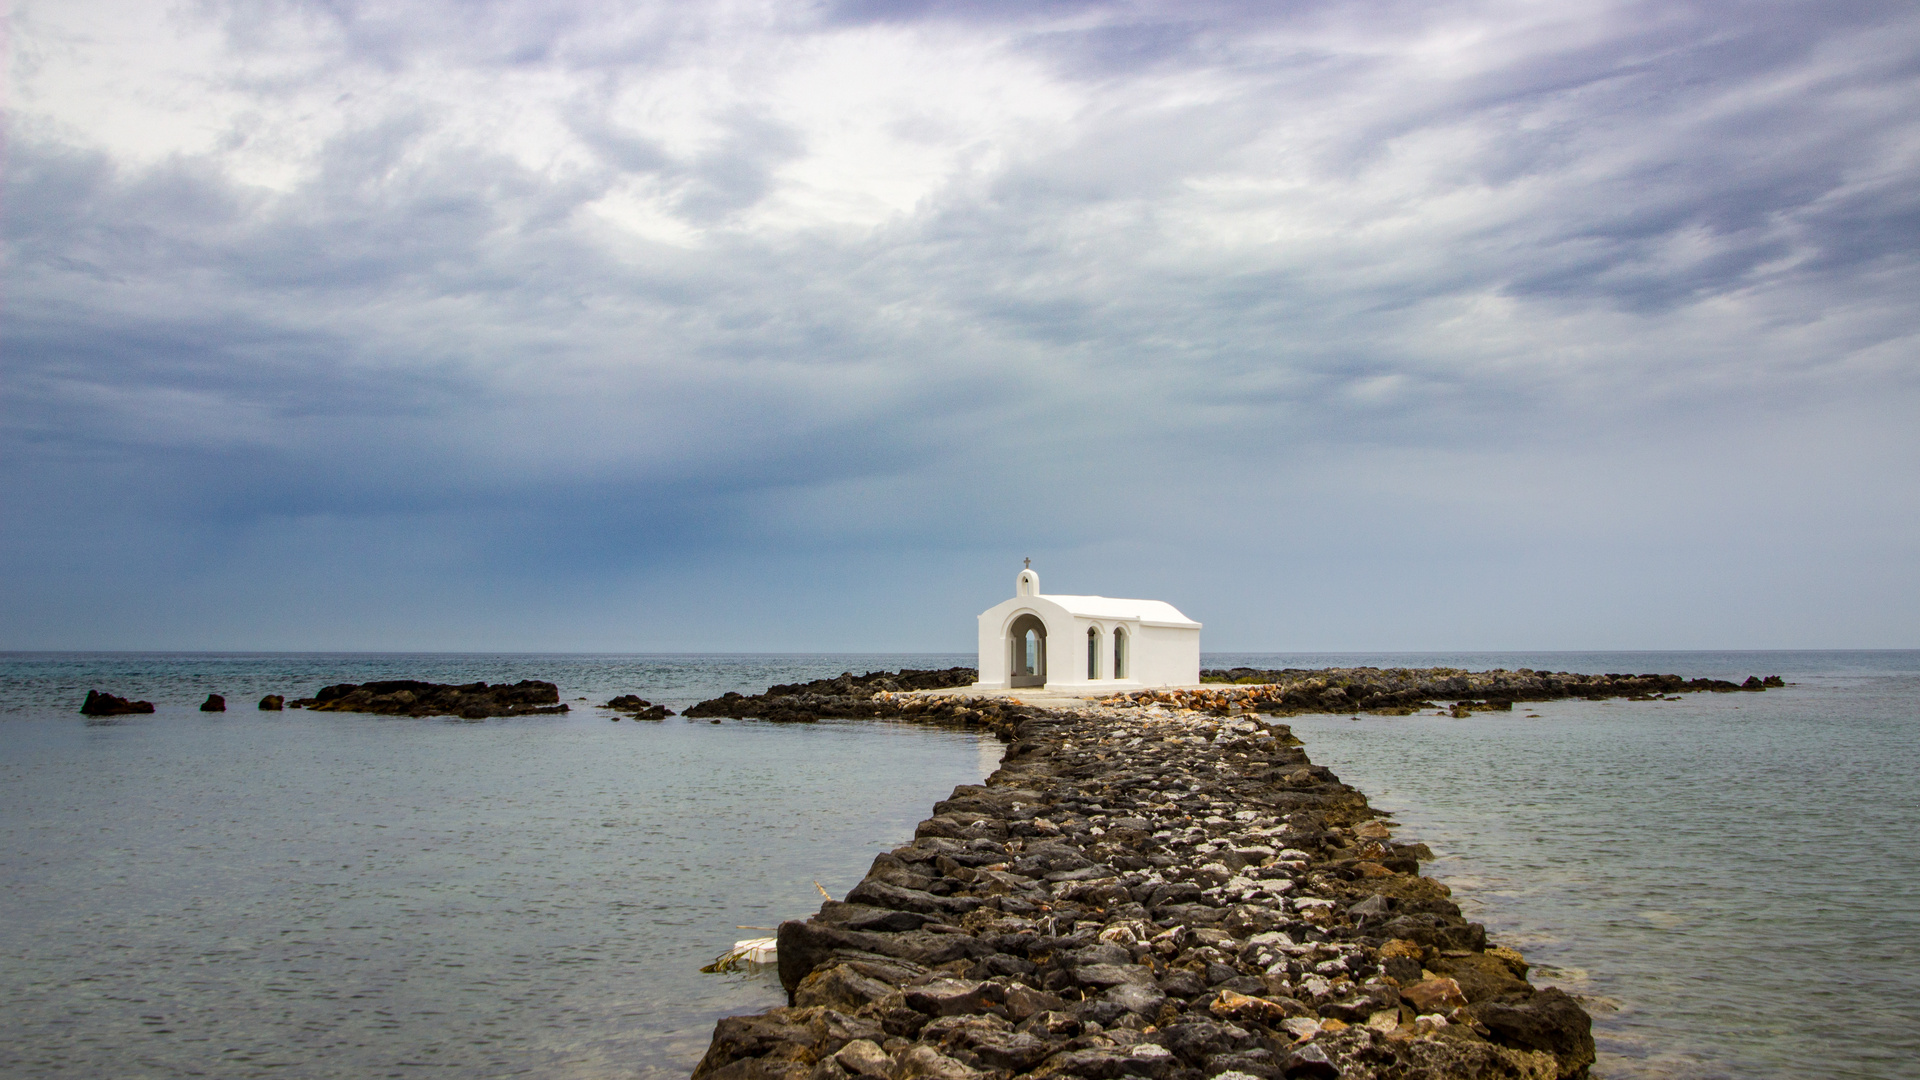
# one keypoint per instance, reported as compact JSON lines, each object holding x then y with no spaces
{"x":1399,"y":691}
{"x":405,"y":697}
{"x":214,"y":703}
{"x":848,"y":695}
{"x":272,"y":703}
{"x":640,"y":708}
{"x":1548,"y":1020}
{"x":99,"y":704}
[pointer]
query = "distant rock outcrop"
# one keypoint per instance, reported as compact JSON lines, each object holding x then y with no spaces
{"x":640,"y":708}
{"x":214,"y":703}
{"x":1392,"y":691}
{"x":272,"y":703}
{"x":406,"y":697}
{"x":99,"y":704}
{"x":849,"y":695}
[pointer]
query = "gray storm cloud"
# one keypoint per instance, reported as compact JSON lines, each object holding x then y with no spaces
{"x":682,"y":326}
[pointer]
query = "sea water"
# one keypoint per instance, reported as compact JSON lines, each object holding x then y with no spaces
{"x":1731,"y":881}
{"x":1727,"y":880}
{"x":306,"y":894}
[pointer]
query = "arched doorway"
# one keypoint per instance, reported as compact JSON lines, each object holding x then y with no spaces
{"x":1027,"y":652}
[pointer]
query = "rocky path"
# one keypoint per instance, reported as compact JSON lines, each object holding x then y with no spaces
{"x":1148,"y":890}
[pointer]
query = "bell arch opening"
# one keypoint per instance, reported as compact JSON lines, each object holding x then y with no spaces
{"x":1027,"y":652}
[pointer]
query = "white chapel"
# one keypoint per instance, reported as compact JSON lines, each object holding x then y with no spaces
{"x":1085,"y":643}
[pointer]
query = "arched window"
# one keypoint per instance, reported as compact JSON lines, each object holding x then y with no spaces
{"x":1093,"y":653}
{"x":1119,"y":653}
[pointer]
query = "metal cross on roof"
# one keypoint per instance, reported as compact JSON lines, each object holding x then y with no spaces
{"x":1029,"y":564}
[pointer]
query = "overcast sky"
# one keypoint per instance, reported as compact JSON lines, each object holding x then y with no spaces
{"x":569,"y":324}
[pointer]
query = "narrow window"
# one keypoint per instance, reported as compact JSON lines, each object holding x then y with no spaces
{"x":1119,"y":653}
{"x":1093,"y":653}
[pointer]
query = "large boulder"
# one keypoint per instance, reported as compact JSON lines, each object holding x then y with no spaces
{"x":1548,"y":1021}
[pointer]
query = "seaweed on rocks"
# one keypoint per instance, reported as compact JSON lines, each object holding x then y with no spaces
{"x":847,"y":696}
{"x":1157,"y":892}
{"x":406,"y":697}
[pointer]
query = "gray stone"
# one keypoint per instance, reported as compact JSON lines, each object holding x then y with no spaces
{"x":1137,"y":998}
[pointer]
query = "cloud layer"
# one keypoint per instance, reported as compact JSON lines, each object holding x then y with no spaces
{"x":758,"y":326}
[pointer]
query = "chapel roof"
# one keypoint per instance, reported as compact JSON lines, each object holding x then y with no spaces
{"x":1108,"y":607}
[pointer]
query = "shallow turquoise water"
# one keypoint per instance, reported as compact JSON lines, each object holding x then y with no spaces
{"x":1729,"y":878}
{"x":298,"y":894}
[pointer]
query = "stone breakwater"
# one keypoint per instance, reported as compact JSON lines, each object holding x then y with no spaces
{"x":1401,"y":691}
{"x":1143,"y":890}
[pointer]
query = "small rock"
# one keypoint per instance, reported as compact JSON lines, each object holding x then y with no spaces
{"x":1310,"y":1062}
{"x":1136,"y":998}
{"x":1301,"y":1026}
{"x":214,"y":703}
{"x":862,"y":1057}
{"x":1235,"y":1006}
{"x":272,"y":703}
{"x":1511,"y":957}
{"x":955,"y":997}
{"x":1024,"y":1001}
{"x":1436,"y":995}
{"x":839,"y":987}
{"x":1371,"y":906}
{"x":1403,"y":947}
{"x":1112,"y":974}
{"x":922,"y":1060}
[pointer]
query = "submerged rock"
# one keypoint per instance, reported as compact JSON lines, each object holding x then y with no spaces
{"x":99,"y":704}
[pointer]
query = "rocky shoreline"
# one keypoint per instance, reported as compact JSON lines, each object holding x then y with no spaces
{"x":1144,"y":888}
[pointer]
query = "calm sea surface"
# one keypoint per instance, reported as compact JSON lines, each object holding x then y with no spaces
{"x":330,"y":895}
{"x":1732,"y":880}
{"x":1729,"y":879}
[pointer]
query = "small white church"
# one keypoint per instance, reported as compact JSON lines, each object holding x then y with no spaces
{"x":1083,"y":644}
